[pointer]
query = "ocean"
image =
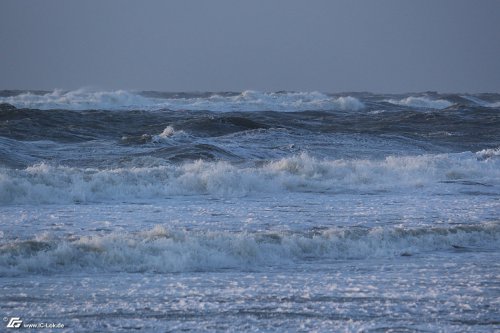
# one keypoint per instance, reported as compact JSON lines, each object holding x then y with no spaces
{"x":247,"y":211}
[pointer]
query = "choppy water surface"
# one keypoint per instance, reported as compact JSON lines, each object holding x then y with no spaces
{"x":287,"y":211}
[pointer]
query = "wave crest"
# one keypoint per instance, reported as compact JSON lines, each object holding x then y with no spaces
{"x":83,"y":99}
{"x":422,"y":102}
{"x":163,"y":250}
{"x":43,"y":183}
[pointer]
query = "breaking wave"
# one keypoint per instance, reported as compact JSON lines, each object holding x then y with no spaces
{"x":83,"y":99}
{"x":481,"y":102}
{"x":489,"y":153}
{"x":44,"y":183}
{"x":163,"y":250}
{"x":80,"y":99}
{"x":421,"y":102}
{"x":168,"y":134}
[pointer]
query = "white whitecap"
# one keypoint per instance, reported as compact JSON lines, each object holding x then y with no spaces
{"x":163,"y":250}
{"x":421,"y":102}
{"x":43,"y":183}
{"x":481,"y":102}
{"x":84,"y":99}
{"x":489,"y":153}
{"x":81,"y":99}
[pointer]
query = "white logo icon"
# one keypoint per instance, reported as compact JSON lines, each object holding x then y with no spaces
{"x":14,"y":322}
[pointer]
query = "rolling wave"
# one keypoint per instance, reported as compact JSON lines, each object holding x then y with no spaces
{"x":44,"y":183}
{"x":472,"y":129}
{"x":422,"y":102}
{"x":125,"y":100}
{"x":162,"y":250}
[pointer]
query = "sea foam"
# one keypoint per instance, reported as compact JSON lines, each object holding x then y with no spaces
{"x":163,"y":250}
{"x":45,"y":183}
{"x":422,"y":102}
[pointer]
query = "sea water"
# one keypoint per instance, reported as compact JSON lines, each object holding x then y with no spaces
{"x":288,"y":211}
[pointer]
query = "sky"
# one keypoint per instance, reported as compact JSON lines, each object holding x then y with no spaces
{"x":391,"y":46}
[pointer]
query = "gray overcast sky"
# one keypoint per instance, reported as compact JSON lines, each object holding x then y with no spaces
{"x":268,"y":45}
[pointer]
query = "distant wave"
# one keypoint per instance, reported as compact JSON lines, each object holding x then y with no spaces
{"x":124,"y":100}
{"x":422,"y":102}
{"x":481,"y":102}
{"x":168,"y":134}
{"x":162,"y":250}
{"x":80,"y":99}
{"x":249,"y":100}
{"x":44,"y":183}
